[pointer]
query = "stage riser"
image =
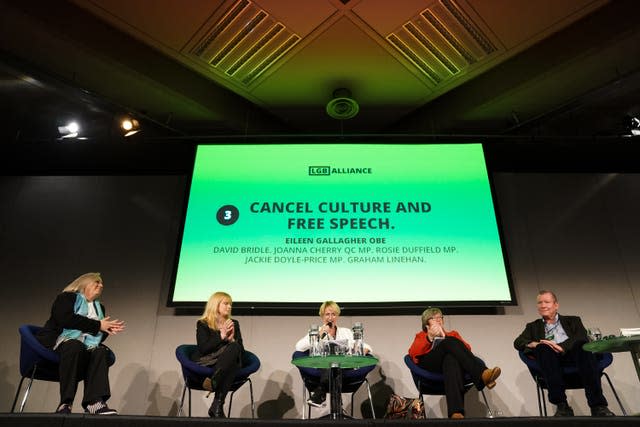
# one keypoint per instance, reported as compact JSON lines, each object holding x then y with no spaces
{"x":47,"y":420}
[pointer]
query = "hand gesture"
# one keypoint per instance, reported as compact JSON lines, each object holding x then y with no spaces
{"x":435,"y":330}
{"x":325,"y":329}
{"x":227,"y":330}
{"x":553,"y":345}
{"x":111,"y":327}
{"x":231,"y":330}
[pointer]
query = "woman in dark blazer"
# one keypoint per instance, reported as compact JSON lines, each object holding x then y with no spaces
{"x":219,"y":345}
{"x":76,"y":329}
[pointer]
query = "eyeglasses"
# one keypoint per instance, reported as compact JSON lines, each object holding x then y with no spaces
{"x":438,"y":317}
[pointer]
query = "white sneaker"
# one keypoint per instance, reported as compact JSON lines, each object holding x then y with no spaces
{"x":317,"y":399}
{"x":100,"y":408}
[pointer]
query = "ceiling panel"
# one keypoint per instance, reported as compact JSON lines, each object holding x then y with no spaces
{"x":167,"y":24}
{"x":524,"y":22}
{"x":326,"y":64}
{"x":301,"y":18}
{"x":412,"y":65}
{"x":384,"y":19}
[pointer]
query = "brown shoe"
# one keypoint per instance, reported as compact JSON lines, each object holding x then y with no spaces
{"x":207,"y":385}
{"x":457,"y":416}
{"x":489,"y":377}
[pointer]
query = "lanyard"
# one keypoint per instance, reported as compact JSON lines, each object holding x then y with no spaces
{"x":548,"y":331}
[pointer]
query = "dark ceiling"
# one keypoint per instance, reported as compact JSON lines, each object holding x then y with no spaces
{"x":211,"y":70}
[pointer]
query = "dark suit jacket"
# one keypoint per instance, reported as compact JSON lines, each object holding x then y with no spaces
{"x":534,"y":331}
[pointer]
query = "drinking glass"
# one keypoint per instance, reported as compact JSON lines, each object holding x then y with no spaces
{"x":313,"y":341}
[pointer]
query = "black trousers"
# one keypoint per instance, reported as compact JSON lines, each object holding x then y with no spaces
{"x":551,"y":364}
{"x":226,"y":368}
{"x":452,"y":359}
{"x":78,"y":363}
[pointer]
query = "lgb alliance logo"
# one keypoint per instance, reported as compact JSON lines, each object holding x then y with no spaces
{"x":328,"y":170}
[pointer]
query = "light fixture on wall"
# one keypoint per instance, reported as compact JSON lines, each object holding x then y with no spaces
{"x":69,"y":130}
{"x":129,"y":126}
{"x":632,"y":125}
{"x":342,"y":106}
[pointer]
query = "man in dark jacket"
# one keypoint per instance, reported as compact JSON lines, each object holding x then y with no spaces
{"x":555,"y":340}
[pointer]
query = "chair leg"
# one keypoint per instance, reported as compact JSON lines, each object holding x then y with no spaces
{"x":184,"y":390}
{"x":15,"y":399}
{"x":424,"y":407}
{"x":544,"y":402}
{"x":352,"y":395}
{"x":251,"y":395}
{"x":253,"y":406}
{"x":541,"y":401}
{"x":304,"y":402}
{"x":484,"y":397}
{"x":189,"y":390}
{"x":615,"y":393}
{"x":26,"y":393}
{"x":230,"y":403}
{"x":373,"y":411}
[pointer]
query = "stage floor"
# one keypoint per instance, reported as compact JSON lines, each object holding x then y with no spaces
{"x":81,"y":420}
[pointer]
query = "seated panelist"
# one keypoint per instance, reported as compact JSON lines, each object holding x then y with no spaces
{"x":220,"y":346}
{"x":76,"y":330}
{"x":329,"y":316}
{"x":439,"y":350}
{"x":554,"y":340}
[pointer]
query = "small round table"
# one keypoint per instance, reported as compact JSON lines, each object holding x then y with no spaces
{"x":618,"y":344}
{"x":335,"y":363}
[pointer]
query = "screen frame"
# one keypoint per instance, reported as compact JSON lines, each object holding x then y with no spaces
{"x":364,"y":308}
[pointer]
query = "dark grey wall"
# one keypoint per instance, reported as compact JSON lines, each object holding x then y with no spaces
{"x":57,"y":227}
{"x":575,"y":233}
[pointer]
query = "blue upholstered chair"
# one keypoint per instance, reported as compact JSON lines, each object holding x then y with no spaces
{"x":352,"y":379}
{"x":194,"y":374}
{"x":570,"y":375}
{"x":37,"y":362}
{"x":432,"y":383}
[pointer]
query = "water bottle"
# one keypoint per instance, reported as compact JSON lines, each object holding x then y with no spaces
{"x":358,"y":339}
{"x":314,"y":347}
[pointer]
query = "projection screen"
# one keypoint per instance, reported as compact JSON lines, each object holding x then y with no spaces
{"x":368,"y":225}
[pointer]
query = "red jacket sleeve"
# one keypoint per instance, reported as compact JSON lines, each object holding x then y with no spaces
{"x":420,"y":346}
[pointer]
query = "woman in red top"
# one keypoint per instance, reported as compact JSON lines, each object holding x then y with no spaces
{"x":438,"y":350}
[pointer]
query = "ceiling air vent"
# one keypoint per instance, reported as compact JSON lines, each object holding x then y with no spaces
{"x":244,"y":42}
{"x":441,"y":41}
{"x":342,"y":106}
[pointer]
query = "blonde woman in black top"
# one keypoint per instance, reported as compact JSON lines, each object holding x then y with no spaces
{"x":219,"y":346}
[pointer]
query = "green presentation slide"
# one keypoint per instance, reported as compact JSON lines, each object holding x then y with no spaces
{"x":354,"y":223}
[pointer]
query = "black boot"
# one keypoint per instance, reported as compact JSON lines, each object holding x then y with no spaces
{"x":216,"y":410}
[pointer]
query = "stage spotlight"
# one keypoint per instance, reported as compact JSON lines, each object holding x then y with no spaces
{"x":70,"y":130}
{"x":129,"y":126}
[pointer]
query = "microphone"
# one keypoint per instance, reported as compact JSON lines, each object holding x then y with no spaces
{"x":330,"y":325}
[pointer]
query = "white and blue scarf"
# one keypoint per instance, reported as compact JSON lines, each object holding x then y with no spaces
{"x":81,"y":307}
